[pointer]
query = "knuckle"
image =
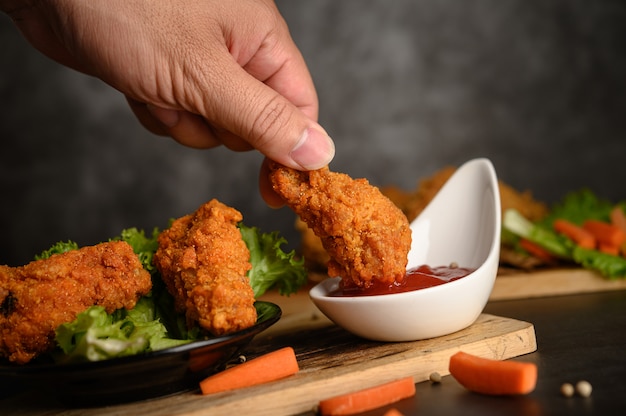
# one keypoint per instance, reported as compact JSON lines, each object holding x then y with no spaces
{"x":270,"y":120}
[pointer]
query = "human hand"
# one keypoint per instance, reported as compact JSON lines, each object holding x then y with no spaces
{"x":206,"y":72}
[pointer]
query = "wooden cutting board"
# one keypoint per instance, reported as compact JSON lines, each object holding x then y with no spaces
{"x":552,"y":282}
{"x":331,"y":361}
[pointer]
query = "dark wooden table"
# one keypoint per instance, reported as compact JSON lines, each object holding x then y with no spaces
{"x":579,"y":337}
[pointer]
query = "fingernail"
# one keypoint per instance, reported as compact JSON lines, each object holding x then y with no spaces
{"x":169,"y":118}
{"x":314,"y":149}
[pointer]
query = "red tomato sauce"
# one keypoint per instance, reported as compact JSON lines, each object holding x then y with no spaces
{"x":416,"y":278}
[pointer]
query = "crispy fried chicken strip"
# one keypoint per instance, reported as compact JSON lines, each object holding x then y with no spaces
{"x":38,"y":297}
{"x":366,"y":236}
{"x":203,"y":261}
{"x":413,"y":202}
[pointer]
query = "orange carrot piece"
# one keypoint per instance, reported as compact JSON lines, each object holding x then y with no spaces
{"x":609,"y":249}
{"x":493,"y":377}
{"x":579,"y":235}
{"x":605,"y":233}
{"x":618,"y":218}
{"x":368,"y":399}
{"x":265,"y":368}
{"x":536,"y":250}
{"x":393,"y":412}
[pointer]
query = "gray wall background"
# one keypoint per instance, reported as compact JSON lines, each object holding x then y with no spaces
{"x":405,"y":87}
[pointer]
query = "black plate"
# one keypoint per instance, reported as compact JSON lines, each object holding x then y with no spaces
{"x":146,"y":376}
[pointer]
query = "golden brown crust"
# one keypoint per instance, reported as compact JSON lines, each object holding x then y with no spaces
{"x":40,"y":296}
{"x":413,"y":202}
{"x":523,"y":202}
{"x":365,"y":235}
{"x":203,"y":260}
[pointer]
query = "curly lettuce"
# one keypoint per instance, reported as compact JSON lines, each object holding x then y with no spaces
{"x":271,"y":266}
{"x":58,"y":248}
{"x":95,"y":335}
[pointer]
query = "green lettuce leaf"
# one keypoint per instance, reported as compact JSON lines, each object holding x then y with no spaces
{"x":159,"y":304}
{"x":58,"y":248}
{"x":95,"y":335}
{"x":515,"y":223}
{"x":579,"y":206}
{"x":271,"y":266}
{"x":608,"y":265}
{"x":143,"y":246}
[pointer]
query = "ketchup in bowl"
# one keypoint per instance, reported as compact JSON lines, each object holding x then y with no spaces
{"x":416,"y":278}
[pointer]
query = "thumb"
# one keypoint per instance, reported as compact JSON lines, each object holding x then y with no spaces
{"x":269,"y":122}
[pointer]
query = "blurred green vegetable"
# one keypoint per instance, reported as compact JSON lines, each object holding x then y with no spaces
{"x":579,"y":206}
{"x":514,"y":222}
{"x":575,"y":207}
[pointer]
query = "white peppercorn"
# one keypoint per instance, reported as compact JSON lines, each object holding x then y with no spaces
{"x":435,"y":377}
{"x":567,"y":389}
{"x":583,"y":388}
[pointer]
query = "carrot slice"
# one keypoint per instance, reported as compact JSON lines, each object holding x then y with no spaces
{"x":368,"y":399}
{"x":618,"y":218}
{"x":393,"y":412}
{"x":579,"y":235}
{"x":265,"y":368}
{"x":605,"y":233}
{"x":536,"y":250}
{"x":493,"y":377}
{"x":608,"y":249}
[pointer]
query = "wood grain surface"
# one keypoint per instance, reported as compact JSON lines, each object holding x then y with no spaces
{"x":552,"y":282}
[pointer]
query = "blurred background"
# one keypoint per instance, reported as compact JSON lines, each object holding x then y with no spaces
{"x":405,"y":87}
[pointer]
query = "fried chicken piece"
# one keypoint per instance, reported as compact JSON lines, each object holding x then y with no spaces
{"x":524,"y":202}
{"x":315,"y":256}
{"x":203,"y":261}
{"x":38,"y":297}
{"x":413,"y":202}
{"x":366,"y":236}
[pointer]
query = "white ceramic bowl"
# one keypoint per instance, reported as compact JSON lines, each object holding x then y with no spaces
{"x":462,"y":225}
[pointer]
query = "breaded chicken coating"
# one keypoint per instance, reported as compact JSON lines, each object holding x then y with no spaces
{"x":413,"y":202}
{"x":38,"y":297}
{"x":203,"y":261}
{"x":366,"y":236}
